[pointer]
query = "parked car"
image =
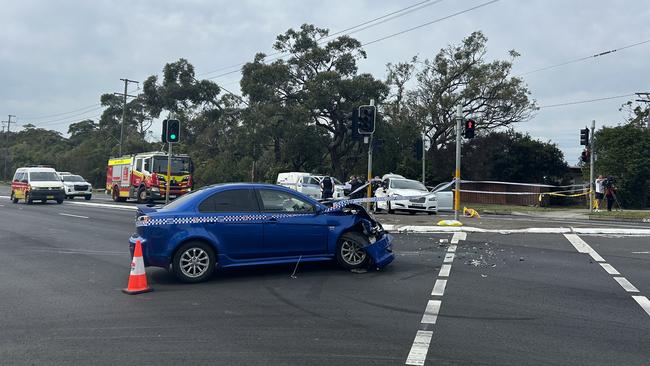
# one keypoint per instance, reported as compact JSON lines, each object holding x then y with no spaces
{"x":424,"y":201}
{"x":36,"y":183}
{"x":76,"y":186}
{"x":230,"y":225}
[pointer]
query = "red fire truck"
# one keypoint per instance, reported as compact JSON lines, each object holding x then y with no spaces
{"x":143,"y":176}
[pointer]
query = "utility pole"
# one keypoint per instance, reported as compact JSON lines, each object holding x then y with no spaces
{"x":8,"y":122}
{"x":459,"y":117}
{"x":591,"y":166}
{"x":424,"y":154}
{"x":126,"y":85}
{"x":370,"y":146}
{"x":646,"y":100}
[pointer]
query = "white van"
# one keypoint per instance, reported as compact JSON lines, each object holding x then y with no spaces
{"x":301,"y":182}
{"x":37,"y":183}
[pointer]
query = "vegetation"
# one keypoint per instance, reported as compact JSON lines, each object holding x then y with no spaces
{"x":295,"y":114}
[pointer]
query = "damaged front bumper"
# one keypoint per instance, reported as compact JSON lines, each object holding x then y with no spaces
{"x":381,"y":251}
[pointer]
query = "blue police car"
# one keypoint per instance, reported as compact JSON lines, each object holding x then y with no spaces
{"x":229,"y":225}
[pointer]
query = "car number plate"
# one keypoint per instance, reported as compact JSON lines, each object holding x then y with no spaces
{"x":418,"y":206}
{"x":50,"y":197}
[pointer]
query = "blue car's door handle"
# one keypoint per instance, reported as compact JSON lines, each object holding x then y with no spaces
{"x":272,"y":220}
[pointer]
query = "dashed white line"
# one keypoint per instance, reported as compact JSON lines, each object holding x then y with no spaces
{"x":449,"y":257}
{"x":640,"y":252}
{"x":431,"y":312}
{"x":582,"y":247}
{"x":611,"y":270}
{"x":452,"y":248}
{"x":627,"y":286}
{"x":439,"y":288}
{"x":419,"y":349}
{"x":458,"y":236}
{"x":643,"y":302}
{"x":71,"y":215}
{"x":444,"y":270}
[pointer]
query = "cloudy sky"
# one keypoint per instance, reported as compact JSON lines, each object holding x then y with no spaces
{"x":58,"y":57}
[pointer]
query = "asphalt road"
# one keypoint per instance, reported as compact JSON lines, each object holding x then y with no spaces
{"x":520,"y":299}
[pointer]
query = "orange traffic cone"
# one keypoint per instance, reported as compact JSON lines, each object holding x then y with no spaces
{"x":138,"y":277}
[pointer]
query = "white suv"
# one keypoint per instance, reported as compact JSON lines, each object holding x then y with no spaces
{"x":76,"y":186}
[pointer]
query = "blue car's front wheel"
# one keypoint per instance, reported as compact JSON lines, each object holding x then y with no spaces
{"x":350,"y":252}
{"x":194,"y":262}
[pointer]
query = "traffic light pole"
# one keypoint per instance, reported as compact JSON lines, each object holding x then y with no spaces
{"x":459,"y":117}
{"x":424,"y":154}
{"x":169,"y":169}
{"x":369,"y":190}
{"x":591,"y":166}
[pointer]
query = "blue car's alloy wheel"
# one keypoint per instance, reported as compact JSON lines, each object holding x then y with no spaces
{"x":194,"y":262}
{"x":350,"y":252}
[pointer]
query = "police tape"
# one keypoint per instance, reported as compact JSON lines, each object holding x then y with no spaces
{"x":559,"y":194}
{"x":146,"y":220}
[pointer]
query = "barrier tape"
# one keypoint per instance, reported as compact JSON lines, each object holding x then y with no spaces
{"x":336,"y":206}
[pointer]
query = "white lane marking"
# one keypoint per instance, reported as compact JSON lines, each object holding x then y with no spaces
{"x":533,"y":230}
{"x":444,"y":270}
{"x":458,"y":236}
{"x":611,"y":270}
{"x":420,"y":347}
{"x":627,"y":286}
{"x":71,"y":215}
{"x":439,"y":288}
{"x":452,"y":248}
{"x":640,"y":252}
{"x":582,"y":247}
{"x":104,"y":205}
{"x":431,"y":312}
{"x":449,"y":257}
{"x":643,"y":302}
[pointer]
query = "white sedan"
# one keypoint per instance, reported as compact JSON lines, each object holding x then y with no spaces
{"x":421,"y":199}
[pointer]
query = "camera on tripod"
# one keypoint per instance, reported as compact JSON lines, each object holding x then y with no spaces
{"x":609,"y":182}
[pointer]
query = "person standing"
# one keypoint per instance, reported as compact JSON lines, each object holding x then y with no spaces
{"x":326,"y":187}
{"x":610,"y":191}
{"x":600,"y":192}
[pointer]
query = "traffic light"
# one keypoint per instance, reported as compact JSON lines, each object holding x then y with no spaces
{"x":584,"y":137}
{"x":171,"y":131}
{"x":585,"y":156}
{"x":417,"y":149}
{"x":470,"y":125}
{"x":366,"y":121}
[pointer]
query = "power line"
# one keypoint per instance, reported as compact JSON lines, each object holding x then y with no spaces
{"x":586,"y":101}
{"x":66,"y":118}
{"x":61,"y":114}
{"x":586,"y":57}
{"x":385,"y":37}
{"x":431,"y":22}
{"x":392,"y":15}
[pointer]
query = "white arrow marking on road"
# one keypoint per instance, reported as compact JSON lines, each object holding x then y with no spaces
{"x":71,"y":215}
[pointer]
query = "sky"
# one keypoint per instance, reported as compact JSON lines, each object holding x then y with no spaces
{"x":58,"y":57}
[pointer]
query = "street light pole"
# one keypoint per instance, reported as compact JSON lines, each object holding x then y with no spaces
{"x":459,"y":117}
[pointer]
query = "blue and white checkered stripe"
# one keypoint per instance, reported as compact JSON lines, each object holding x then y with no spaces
{"x":337,"y":206}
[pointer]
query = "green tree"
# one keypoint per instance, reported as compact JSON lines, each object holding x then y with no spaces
{"x":622,"y":153}
{"x":319,"y":84}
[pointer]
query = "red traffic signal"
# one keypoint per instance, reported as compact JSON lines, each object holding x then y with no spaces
{"x":470,"y":125}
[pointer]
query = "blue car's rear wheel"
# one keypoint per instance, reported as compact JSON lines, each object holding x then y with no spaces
{"x":350,"y":252}
{"x":194,"y":261}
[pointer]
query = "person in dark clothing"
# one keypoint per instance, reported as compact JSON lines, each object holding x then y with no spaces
{"x":610,"y":191}
{"x":326,"y":187}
